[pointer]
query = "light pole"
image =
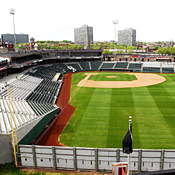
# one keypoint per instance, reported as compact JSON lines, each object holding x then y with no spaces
{"x":12,"y":12}
{"x":115,"y":22}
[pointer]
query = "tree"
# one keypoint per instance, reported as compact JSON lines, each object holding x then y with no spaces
{"x":119,"y":51}
{"x":107,"y":52}
{"x":166,"y":50}
{"x":130,"y":51}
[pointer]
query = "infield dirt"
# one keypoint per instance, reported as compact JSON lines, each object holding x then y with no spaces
{"x":143,"y":79}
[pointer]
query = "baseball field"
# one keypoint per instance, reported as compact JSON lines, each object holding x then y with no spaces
{"x":101,"y":114}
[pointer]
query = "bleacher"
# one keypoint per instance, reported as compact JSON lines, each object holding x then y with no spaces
{"x":135,"y":67}
{"x":95,"y":65}
{"x":167,"y":70}
{"x":85,"y":65}
{"x":22,"y":114}
{"x":21,"y":88}
{"x":107,"y":65}
{"x":33,"y":95}
{"x":76,"y":66}
{"x":151,"y":69}
{"x":121,"y":65}
{"x":45,"y":92}
{"x":43,"y":72}
{"x":63,"y":68}
{"x":40,"y":109}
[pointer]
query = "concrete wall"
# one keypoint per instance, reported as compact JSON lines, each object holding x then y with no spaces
{"x":6,"y":149}
{"x":6,"y":154}
{"x":21,"y":132}
{"x":92,"y":159}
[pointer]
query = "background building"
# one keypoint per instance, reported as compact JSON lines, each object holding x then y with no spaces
{"x":20,"y":38}
{"x":83,"y":35}
{"x":127,"y":36}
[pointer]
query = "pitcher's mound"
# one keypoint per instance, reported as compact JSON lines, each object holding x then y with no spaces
{"x":111,"y":76}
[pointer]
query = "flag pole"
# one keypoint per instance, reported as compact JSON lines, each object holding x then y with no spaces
{"x":130,"y":128}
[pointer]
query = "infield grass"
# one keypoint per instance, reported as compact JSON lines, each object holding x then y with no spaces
{"x":103,"y":76}
{"x":101,"y":115}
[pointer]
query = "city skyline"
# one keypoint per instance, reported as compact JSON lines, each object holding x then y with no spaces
{"x":56,"y":20}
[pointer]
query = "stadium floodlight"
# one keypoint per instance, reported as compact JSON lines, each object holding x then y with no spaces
{"x":115,"y":22}
{"x":12,"y":12}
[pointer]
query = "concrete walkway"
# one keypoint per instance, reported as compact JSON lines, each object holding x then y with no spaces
{"x":10,"y":78}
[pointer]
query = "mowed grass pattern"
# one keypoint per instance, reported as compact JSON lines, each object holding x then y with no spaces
{"x":101,"y":116}
{"x":102,"y":76}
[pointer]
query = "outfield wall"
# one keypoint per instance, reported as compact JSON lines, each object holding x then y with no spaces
{"x":94,"y":159}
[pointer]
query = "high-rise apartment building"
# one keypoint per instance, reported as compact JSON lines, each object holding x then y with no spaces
{"x":83,"y":35}
{"x":127,"y":36}
{"x":20,"y":38}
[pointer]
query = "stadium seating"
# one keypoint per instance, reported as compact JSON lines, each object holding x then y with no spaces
{"x":63,"y":67}
{"x":107,"y":65}
{"x":122,"y":65}
{"x":45,"y":92}
{"x":32,"y":95}
{"x":76,"y":66}
{"x":22,"y":114}
{"x":135,"y":67}
{"x":44,"y":72}
{"x":95,"y":65}
{"x":154,"y":67}
{"x":85,"y":65}
{"x":167,"y":70}
{"x":151,"y":69}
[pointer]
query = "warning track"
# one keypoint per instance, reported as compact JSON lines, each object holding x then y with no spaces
{"x":51,"y":137}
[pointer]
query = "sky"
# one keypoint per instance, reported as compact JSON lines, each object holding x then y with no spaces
{"x":154,"y":20}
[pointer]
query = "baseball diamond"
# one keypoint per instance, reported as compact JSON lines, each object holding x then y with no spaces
{"x":101,"y":114}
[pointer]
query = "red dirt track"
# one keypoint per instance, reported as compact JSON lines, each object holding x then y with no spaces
{"x":50,"y":138}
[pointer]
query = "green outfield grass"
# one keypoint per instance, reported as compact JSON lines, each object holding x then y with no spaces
{"x":101,"y":115}
{"x":103,"y":76}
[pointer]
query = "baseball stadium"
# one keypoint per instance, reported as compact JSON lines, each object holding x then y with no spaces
{"x":82,"y":105}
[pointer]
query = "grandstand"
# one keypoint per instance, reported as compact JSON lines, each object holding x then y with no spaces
{"x":107,"y":65}
{"x":86,"y":66}
{"x":136,"y":67}
{"x":121,"y":65}
{"x":76,"y":66}
{"x":30,"y":100}
{"x":95,"y":65}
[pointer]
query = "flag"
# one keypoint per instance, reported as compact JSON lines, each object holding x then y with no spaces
{"x":127,"y":142}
